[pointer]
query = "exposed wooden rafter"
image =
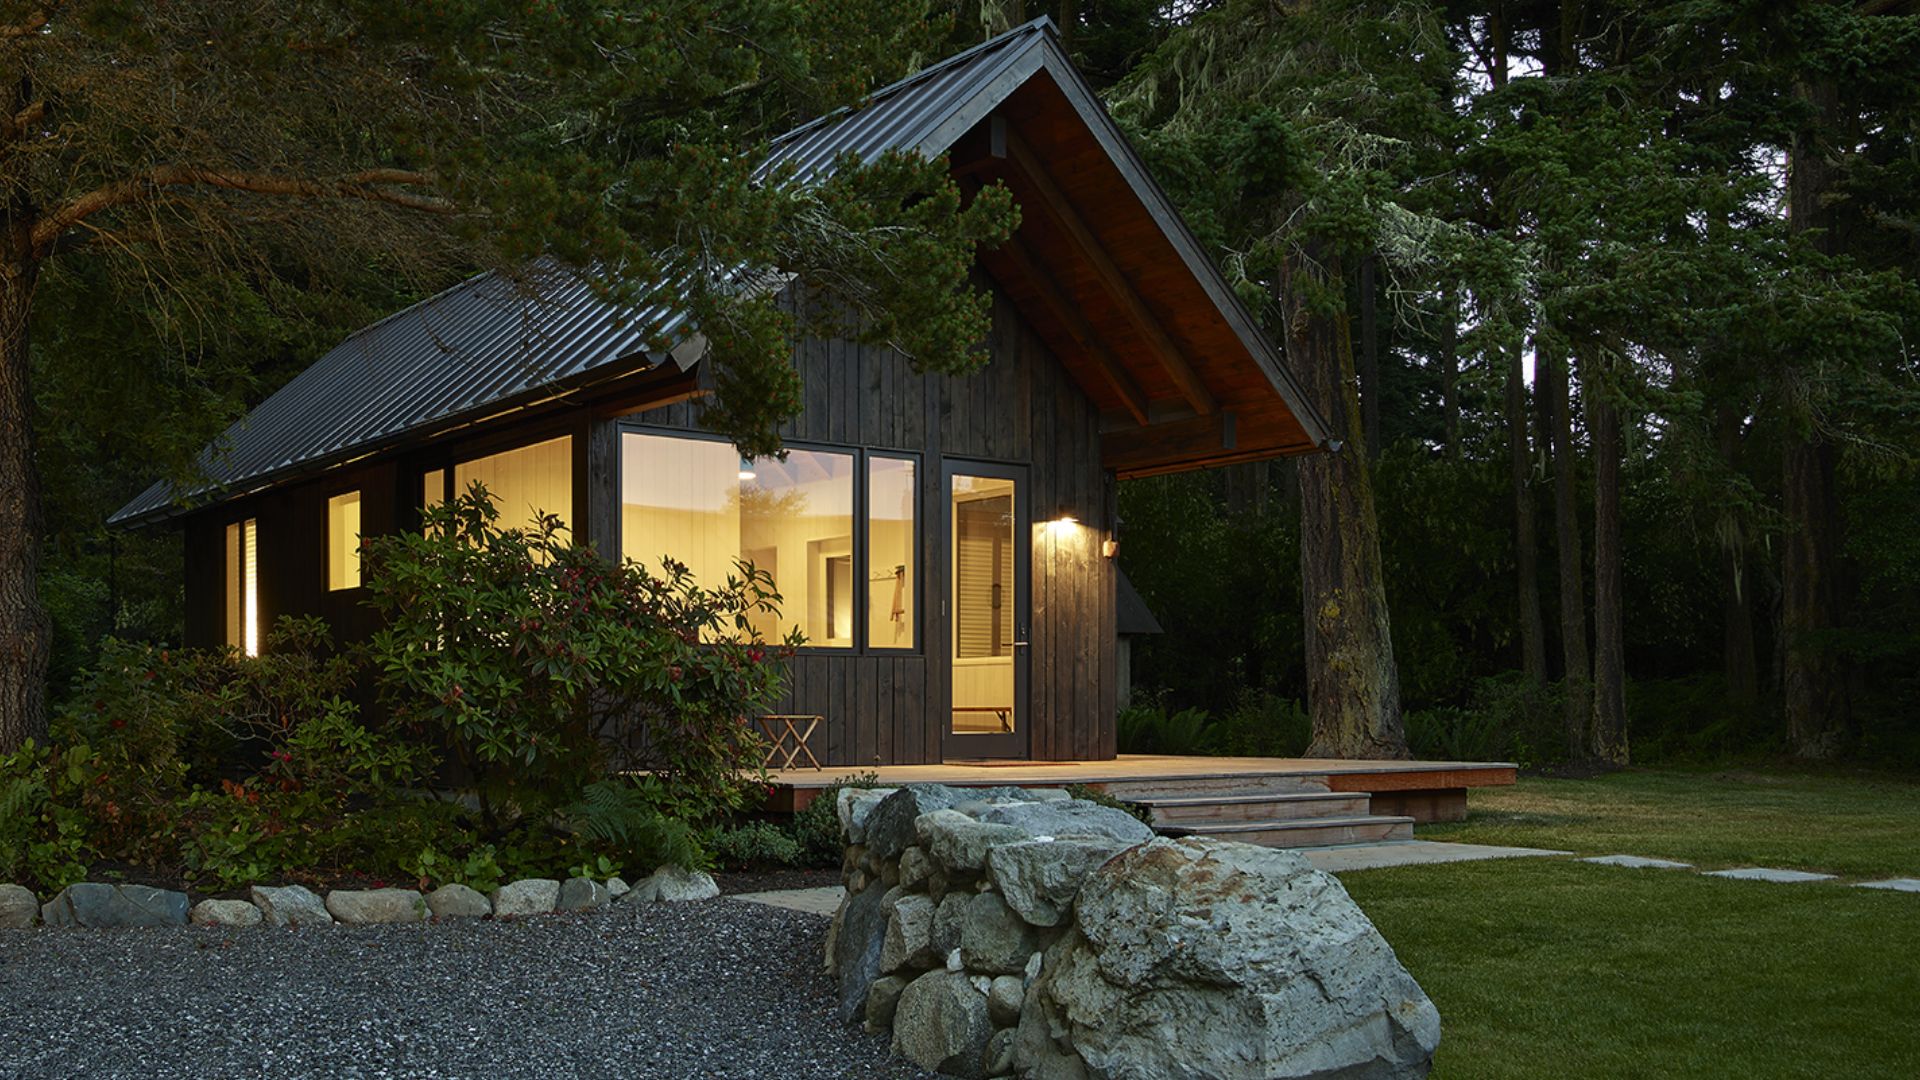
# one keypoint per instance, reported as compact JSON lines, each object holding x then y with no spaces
{"x":1076,"y":325}
{"x":1030,"y":168}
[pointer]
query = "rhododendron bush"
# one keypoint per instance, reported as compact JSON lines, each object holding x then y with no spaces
{"x":527,"y":708}
{"x":537,"y":665}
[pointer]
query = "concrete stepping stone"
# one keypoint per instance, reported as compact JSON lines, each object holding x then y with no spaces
{"x":1637,"y":862}
{"x":1763,"y":873}
{"x":1899,"y":884}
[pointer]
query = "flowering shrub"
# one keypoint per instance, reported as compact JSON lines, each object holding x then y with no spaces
{"x":544,"y":709}
{"x":43,"y":831}
{"x":540,"y":668}
{"x":238,"y":768}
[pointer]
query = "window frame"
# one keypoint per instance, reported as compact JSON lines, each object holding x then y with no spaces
{"x":326,"y":558}
{"x":234,"y":576}
{"x":861,"y":522}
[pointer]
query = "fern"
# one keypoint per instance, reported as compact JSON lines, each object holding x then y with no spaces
{"x":621,"y":817}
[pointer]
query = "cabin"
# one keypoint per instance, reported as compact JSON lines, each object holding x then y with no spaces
{"x":946,"y":544}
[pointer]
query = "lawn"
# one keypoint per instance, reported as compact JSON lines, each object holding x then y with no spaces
{"x":1556,"y":968}
{"x":1856,"y":826}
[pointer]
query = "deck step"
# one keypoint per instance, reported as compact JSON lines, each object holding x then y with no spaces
{"x":1214,"y":786}
{"x":1197,"y":809}
{"x":1302,"y":832}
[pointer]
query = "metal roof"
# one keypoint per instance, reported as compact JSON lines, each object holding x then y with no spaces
{"x":486,"y":344}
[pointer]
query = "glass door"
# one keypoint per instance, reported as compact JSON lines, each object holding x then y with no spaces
{"x":988,"y":540}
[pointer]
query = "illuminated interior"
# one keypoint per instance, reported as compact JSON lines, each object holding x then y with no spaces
{"x":984,"y":591}
{"x":343,"y":541}
{"x":695,"y":501}
{"x":243,"y":591}
{"x":890,"y":556}
{"x":525,"y":482}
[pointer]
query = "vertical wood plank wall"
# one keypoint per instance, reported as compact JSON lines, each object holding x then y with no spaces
{"x":1022,"y":408}
{"x":881,"y":708}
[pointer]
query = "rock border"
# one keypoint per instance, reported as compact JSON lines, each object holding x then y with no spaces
{"x":97,"y":905}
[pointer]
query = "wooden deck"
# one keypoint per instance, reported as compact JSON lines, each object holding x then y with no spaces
{"x":1422,"y":790}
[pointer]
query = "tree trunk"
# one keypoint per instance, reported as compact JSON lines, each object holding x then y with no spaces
{"x":1739,"y":659}
{"x":1813,"y":683}
{"x":24,"y":628}
{"x":1450,"y":377}
{"x":1609,"y":723}
{"x":1566,"y":521}
{"x":1353,"y":685}
{"x":1742,"y":664}
{"x":1813,"y":677}
{"x":1369,"y":358}
{"x":1526,"y":547}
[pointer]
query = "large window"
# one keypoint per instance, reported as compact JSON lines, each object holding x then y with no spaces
{"x":343,"y":541}
{"x":243,"y":586}
{"x":890,"y":553}
{"x":524,"y":483}
{"x":696,"y":501}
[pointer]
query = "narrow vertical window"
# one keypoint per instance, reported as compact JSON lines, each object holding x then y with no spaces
{"x":343,"y":541}
{"x":890,"y":554}
{"x":433,"y":488}
{"x":243,"y":593}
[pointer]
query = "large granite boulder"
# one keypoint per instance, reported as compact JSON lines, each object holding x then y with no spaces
{"x":18,"y":907}
{"x":1202,"y":958}
{"x":958,"y":843}
{"x":854,"y":805}
{"x":1068,"y":818}
{"x":993,"y":940}
{"x":909,"y":936}
{"x":941,"y":1024}
{"x":1040,"y":877}
{"x":376,"y":907}
{"x":290,"y":905}
{"x":854,"y":947}
{"x":101,"y":906}
{"x":889,"y":826}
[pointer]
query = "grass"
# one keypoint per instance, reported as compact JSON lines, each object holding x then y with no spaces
{"x":1856,"y":827}
{"x":1557,"y":968}
{"x":1553,"y":968}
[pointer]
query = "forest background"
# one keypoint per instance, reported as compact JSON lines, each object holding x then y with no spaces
{"x":1617,"y":305}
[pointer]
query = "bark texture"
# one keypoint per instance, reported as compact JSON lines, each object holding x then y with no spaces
{"x":1813,"y":682}
{"x":1566,"y":521}
{"x":1526,"y":544}
{"x":1813,"y":678}
{"x":24,"y":629}
{"x":1353,"y":685}
{"x":1608,"y":731}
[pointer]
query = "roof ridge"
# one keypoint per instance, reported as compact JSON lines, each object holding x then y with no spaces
{"x":1043,"y":23}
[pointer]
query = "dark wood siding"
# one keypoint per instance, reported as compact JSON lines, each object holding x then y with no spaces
{"x":1022,"y":408}
{"x":881,"y":707}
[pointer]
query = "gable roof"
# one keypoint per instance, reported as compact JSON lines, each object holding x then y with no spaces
{"x":486,"y":346}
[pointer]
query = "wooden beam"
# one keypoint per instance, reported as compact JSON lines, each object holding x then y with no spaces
{"x":1061,"y":208}
{"x":1077,"y":326}
{"x":1197,"y":439}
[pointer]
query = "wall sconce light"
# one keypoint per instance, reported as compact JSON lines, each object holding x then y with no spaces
{"x":1109,"y":548}
{"x":746,"y":469}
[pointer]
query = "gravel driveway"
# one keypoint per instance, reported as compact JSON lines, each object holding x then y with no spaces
{"x":714,"y":989}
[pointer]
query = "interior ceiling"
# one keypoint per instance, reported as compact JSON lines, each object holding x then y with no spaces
{"x":1093,"y":270}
